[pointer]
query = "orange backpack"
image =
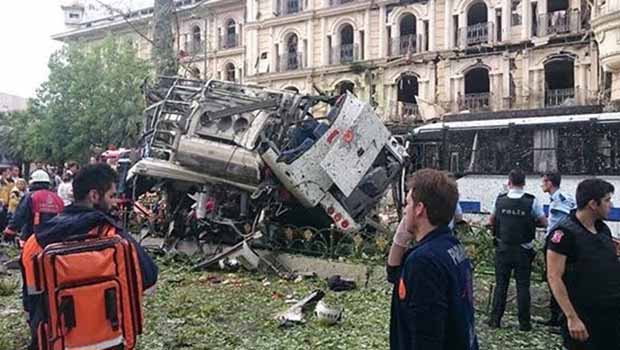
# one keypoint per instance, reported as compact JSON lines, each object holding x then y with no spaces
{"x":91,"y":291}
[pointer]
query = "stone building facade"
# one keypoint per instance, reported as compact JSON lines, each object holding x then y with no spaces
{"x":451,"y":56}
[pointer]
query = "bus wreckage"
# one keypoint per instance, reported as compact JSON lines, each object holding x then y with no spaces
{"x":229,"y":159}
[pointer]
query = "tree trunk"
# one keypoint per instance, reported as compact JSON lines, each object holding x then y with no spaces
{"x":163,"y":40}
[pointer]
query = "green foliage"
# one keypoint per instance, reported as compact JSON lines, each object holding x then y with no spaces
{"x":92,"y":97}
{"x":190,"y":310}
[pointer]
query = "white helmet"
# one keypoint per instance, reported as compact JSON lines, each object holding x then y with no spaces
{"x":326,"y":314}
{"x":39,"y":176}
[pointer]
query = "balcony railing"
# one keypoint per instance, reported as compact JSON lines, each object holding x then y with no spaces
{"x":559,"y":22}
{"x":403,"y":112}
{"x":339,"y":2}
{"x":194,"y":47}
{"x":229,"y":41}
{"x":555,"y":97}
{"x":475,"y":102}
{"x":343,"y":54}
{"x":288,"y":7}
{"x":403,"y":45}
{"x":475,"y":34}
{"x":291,"y":61}
{"x":409,"y":110}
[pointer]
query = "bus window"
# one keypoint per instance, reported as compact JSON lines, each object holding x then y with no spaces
{"x":545,"y":144}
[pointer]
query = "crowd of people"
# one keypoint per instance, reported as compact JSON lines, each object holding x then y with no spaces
{"x":432,"y":302}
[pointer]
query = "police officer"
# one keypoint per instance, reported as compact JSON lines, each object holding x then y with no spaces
{"x":584,"y":271}
{"x":514,"y":220}
{"x":560,"y":206}
{"x":432,"y":302}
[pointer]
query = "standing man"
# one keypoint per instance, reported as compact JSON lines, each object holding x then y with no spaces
{"x":584,"y":271}
{"x":432,"y":303}
{"x":514,"y":220}
{"x":560,"y":207}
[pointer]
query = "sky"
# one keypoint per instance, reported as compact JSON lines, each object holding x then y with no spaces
{"x":26,"y":27}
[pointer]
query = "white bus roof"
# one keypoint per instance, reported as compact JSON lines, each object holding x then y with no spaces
{"x":605,"y":118}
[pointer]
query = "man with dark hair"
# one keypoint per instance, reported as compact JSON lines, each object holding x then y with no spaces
{"x":584,"y":271}
{"x":432,"y":302}
{"x":94,"y":189}
{"x":514,"y":218}
{"x":560,"y":206}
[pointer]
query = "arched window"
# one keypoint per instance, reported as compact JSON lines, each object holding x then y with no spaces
{"x":230,"y":72}
{"x":477,"y":90}
{"x":559,"y":81}
{"x":292,"y":55}
{"x":292,"y":88}
{"x":477,"y":24}
{"x":407,"y":40}
{"x":230,"y":38}
{"x":347,"y":47}
{"x":345,"y":86}
{"x":407,"y":95}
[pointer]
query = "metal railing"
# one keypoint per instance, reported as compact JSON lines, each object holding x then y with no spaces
{"x":404,"y":45}
{"x":339,"y":2}
{"x":229,"y":41}
{"x":194,"y":47}
{"x":475,"y":34}
{"x":559,"y":22}
{"x":555,"y":97}
{"x":343,"y":54}
{"x":288,"y":7}
{"x":409,"y":110}
{"x":402,"y":112}
{"x":290,"y":61}
{"x":475,"y":102}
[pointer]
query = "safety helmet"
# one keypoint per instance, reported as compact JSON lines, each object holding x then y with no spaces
{"x":39,"y":176}
{"x":326,"y":314}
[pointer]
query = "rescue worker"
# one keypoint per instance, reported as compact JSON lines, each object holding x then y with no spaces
{"x":432,"y":302}
{"x":584,"y":271}
{"x":94,"y":189}
{"x":37,"y":206}
{"x":560,"y":206}
{"x":514,"y":220}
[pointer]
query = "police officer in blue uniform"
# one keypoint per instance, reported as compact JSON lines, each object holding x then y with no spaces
{"x":584,"y":271}
{"x":514,"y":219}
{"x":432,"y":302}
{"x":560,"y":206}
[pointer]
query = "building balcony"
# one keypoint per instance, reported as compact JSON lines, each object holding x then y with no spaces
{"x":339,"y":2}
{"x":344,"y":54}
{"x":559,"y":22}
{"x":291,"y":61}
{"x":556,"y":97}
{"x":402,"y":112}
{"x":229,"y":41}
{"x":403,"y":45}
{"x":475,"y":34}
{"x":475,"y":102}
{"x":289,"y":7}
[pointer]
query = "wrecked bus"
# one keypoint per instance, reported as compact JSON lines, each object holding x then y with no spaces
{"x":227,"y":156}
